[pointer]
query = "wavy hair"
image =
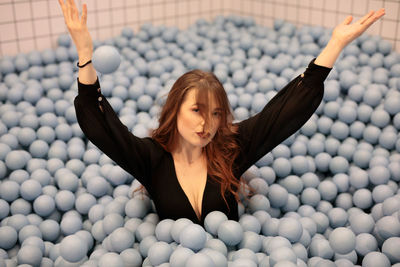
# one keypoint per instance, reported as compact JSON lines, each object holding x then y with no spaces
{"x":223,"y":148}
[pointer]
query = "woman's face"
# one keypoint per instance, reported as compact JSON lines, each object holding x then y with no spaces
{"x":193,"y":130}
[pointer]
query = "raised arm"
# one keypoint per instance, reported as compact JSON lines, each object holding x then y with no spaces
{"x":81,"y":37}
{"x":343,"y":34}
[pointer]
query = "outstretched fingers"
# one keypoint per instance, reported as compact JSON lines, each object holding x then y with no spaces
{"x":347,"y":20}
{"x":377,"y":15}
{"x":366,"y":17}
{"x":84,"y":15}
{"x":73,"y":9}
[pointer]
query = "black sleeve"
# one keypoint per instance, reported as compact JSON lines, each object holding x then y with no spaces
{"x":102,"y":127}
{"x":283,"y":115}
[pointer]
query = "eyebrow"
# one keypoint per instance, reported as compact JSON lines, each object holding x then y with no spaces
{"x":202,"y":105}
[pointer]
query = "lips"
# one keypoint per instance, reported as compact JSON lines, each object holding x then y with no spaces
{"x":203,"y":134}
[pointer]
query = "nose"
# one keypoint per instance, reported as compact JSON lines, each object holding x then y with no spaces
{"x":202,"y":121}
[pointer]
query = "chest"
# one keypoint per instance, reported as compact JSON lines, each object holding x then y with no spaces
{"x":173,"y":202}
{"x":192,"y":179}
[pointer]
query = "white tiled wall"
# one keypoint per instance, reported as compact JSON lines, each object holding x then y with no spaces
{"x":27,"y":25}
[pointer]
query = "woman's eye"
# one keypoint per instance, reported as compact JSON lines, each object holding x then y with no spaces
{"x":196,"y":110}
{"x":217,"y":114}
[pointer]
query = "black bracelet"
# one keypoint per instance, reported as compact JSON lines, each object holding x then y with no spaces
{"x":77,"y":63}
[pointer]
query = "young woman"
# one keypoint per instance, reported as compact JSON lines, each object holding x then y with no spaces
{"x":192,"y":163}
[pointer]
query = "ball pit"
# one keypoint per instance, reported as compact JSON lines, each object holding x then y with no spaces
{"x":327,"y":195}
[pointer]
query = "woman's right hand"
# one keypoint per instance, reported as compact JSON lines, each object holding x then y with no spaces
{"x":77,"y":28}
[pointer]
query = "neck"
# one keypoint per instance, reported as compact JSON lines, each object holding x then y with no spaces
{"x":188,"y":155}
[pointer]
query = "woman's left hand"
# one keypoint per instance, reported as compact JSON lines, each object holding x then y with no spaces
{"x":344,"y":33}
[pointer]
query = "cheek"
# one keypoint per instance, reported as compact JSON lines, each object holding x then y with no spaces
{"x":185,"y":121}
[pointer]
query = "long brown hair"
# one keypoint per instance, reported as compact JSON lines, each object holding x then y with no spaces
{"x":223,"y":149}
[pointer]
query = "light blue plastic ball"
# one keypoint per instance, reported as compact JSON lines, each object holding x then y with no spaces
{"x":277,"y":196}
{"x":111,"y":222}
{"x":111,"y":259}
{"x":73,"y":248}
{"x":136,"y":208}
{"x":274,"y":243}
{"x":159,"y":253}
{"x":392,"y":104}
{"x":29,"y":254}
{"x":163,"y":230}
{"x":9,"y":190}
{"x":84,"y":202}
{"x":30,"y":189}
{"x":372,"y":96}
{"x":338,"y":164}
{"x":369,"y":47}
{"x":390,"y":249}
{"x":97,"y":186}
{"x":282,"y":167}
{"x":28,"y":231}
{"x":328,"y":190}
{"x":388,"y":226}
{"x":299,"y":163}
{"x":310,"y":196}
{"x":15,"y":160}
{"x":193,"y":236}
{"x":65,"y":200}
{"x":379,"y":175}
{"x":67,"y":181}
{"x":375,"y":258}
{"x":230,"y":232}
{"x":387,"y":140}
{"x":9,"y":237}
{"x":44,"y":205}
{"x":145,"y":229}
{"x":213,"y":220}
{"x":282,"y":254}
{"x":200,"y":259}
{"x":258,"y":202}
{"x":71,"y":224}
{"x":365,"y":243}
{"x":291,"y":229}
{"x":106,"y":59}
{"x":50,"y":230}
{"x":361,"y":223}
{"x":342,"y":240}
{"x":131,"y":257}
{"x":121,"y":239}
{"x":338,"y":217}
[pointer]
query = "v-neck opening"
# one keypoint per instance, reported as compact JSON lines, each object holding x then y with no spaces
{"x":183,"y":191}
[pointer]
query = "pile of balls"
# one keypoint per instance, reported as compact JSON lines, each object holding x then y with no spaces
{"x":327,"y":196}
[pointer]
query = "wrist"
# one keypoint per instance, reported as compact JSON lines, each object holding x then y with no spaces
{"x":84,"y":55}
{"x":337,"y":44}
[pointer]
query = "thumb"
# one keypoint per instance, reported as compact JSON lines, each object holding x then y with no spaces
{"x":347,"y":20}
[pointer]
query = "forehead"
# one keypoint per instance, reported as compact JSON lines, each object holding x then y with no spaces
{"x":191,"y":98}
